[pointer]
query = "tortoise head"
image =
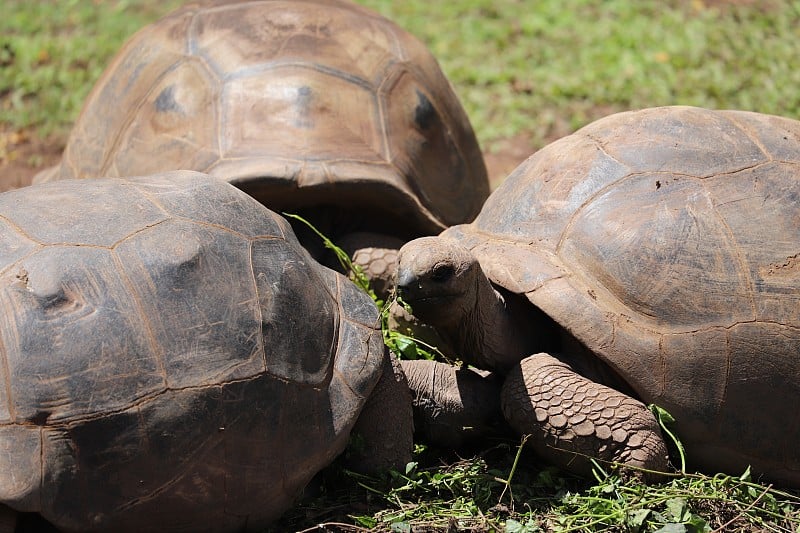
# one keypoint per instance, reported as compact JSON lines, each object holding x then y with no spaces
{"x":439,"y":278}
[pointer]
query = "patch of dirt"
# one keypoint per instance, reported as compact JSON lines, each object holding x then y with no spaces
{"x":505,"y":156}
{"x":23,"y":154}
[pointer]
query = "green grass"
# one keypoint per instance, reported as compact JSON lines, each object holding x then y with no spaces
{"x":548,"y":67}
{"x":52,"y":51}
{"x":538,"y":69}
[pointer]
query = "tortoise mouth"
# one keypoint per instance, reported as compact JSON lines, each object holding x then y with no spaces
{"x":428,"y":292}
{"x":433,"y":308}
{"x":424,"y":301}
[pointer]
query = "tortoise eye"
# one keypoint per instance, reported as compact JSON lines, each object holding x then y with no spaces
{"x":442,"y":272}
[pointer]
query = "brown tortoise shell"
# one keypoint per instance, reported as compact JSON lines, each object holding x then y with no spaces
{"x":299,"y":103}
{"x":161,"y":337}
{"x":667,"y":241}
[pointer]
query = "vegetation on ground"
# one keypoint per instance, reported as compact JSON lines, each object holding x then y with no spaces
{"x":52,"y":52}
{"x":549,"y":67}
{"x":440,"y":491}
{"x":533,"y":69}
{"x":524,"y":70}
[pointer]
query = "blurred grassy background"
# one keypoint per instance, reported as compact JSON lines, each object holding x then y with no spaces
{"x":527,"y":72}
{"x":547,"y":67}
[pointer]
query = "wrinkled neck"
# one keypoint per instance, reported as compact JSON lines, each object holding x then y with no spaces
{"x":490,"y":333}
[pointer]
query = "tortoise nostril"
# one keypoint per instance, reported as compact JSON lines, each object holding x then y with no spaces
{"x":406,"y":279}
{"x":442,"y":272}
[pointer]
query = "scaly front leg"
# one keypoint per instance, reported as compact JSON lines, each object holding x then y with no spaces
{"x":571,"y":419}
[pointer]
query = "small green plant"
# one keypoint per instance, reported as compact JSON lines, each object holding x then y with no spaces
{"x":690,"y":503}
{"x":472,"y":494}
{"x":355,"y":272}
{"x":434,"y":496}
{"x":401,"y":344}
{"x":665,"y":419}
{"x":405,"y":346}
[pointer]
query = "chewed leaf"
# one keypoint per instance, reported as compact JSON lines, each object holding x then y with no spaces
{"x":405,"y":345}
{"x":672,"y":528}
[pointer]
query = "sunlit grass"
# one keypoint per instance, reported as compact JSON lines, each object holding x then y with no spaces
{"x":548,"y":67}
{"x":52,"y":52}
{"x":539,"y":69}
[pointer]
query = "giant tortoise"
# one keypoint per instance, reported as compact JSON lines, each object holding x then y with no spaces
{"x":655,"y":251}
{"x":173,"y":360}
{"x":318,"y":107}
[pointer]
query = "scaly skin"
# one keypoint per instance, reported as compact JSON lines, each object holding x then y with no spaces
{"x":376,"y":254}
{"x":379,"y":265}
{"x":571,"y":419}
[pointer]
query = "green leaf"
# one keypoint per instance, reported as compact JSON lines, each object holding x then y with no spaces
{"x":672,"y":528}
{"x":746,"y":475}
{"x":405,"y":345}
{"x":662,"y":415}
{"x":637,"y":518}
{"x":677,"y":509}
{"x":664,"y":418}
{"x":365,"y":521}
{"x":697,"y":524}
{"x":512,"y":526}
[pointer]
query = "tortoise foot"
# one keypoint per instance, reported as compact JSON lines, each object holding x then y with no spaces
{"x":572,"y":420}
